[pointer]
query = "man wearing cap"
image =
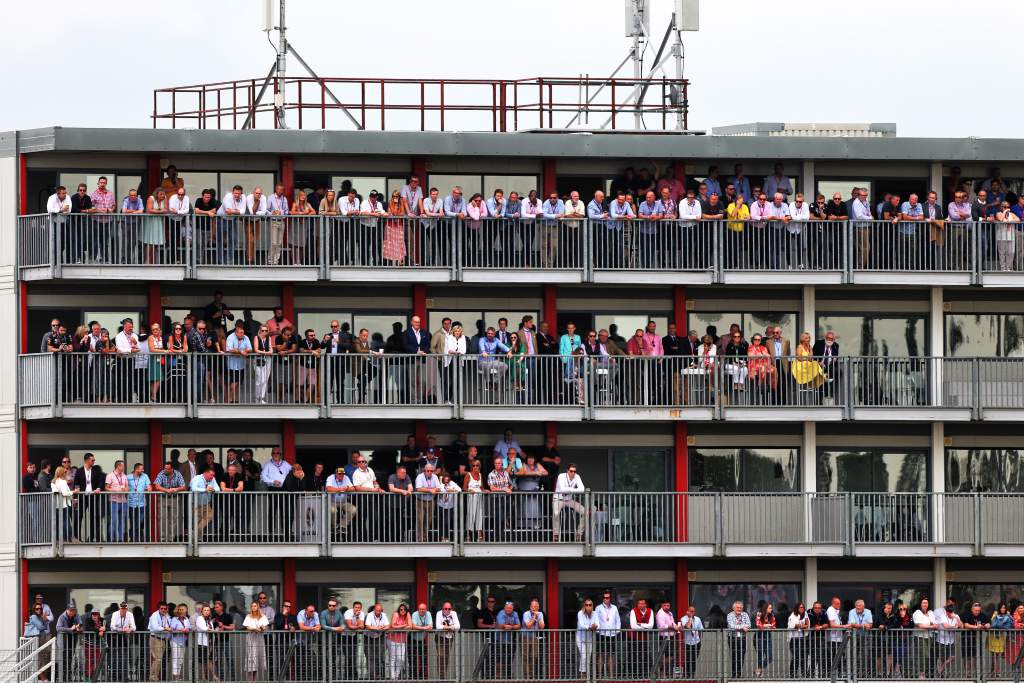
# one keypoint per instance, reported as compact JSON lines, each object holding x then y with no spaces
{"x":343,"y":512}
{"x":159,"y":628}
{"x":427,"y":486}
{"x":122,"y":625}
{"x":69,"y":626}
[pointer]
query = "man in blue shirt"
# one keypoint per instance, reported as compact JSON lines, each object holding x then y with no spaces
{"x":238,"y":347}
{"x":496,"y":204}
{"x":616,"y":247}
{"x":170,"y":483}
{"x":553,"y":211}
{"x":533,"y":623}
{"x":647,"y":235}
{"x":505,"y":637}
{"x":138,"y":484}
{"x":911,"y":216}
{"x":202,"y":488}
{"x":454,"y":204}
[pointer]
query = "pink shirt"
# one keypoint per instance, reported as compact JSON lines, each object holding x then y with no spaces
{"x":664,"y":621}
{"x":117,"y":482}
{"x":476,"y":211}
{"x":652,"y":345}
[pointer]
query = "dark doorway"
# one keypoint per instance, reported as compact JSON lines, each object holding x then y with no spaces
{"x":583,"y":322}
{"x":332,"y":458}
{"x":586,"y":185}
{"x":39,"y":323}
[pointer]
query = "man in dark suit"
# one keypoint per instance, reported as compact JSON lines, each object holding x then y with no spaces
{"x":691,"y":345}
{"x":89,"y":480}
{"x":415,"y":342}
{"x":827,"y":351}
{"x":336,"y":342}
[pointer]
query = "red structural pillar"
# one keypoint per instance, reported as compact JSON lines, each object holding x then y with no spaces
{"x":679,"y":309}
{"x":155,"y":462}
{"x":682,"y":586}
{"x":552,"y":612}
{"x":419,"y":303}
{"x":419,"y":169}
{"x":421,"y":432}
{"x":288,"y":441}
{"x":26,"y":599}
{"x":156,"y":583}
{"x":549,"y":177}
{"x":422,"y":589}
{"x":679,"y":170}
{"x":23,"y":313}
{"x":287,"y":175}
{"x":153,"y":173}
{"x":154,"y":306}
{"x":682,"y":482}
{"x":288,"y":303}
{"x":551,"y":308}
{"x":288,"y":591}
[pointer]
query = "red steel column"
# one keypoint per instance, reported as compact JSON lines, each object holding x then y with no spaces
{"x":679,"y":309}
{"x":153,"y":173}
{"x":549,"y":177}
{"x":287,"y":174}
{"x":288,"y":441}
{"x":155,"y":464}
{"x":154,"y":307}
{"x":679,"y":170}
{"x":156,"y":583}
{"x":682,"y":586}
{"x":421,"y":592}
{"x":288,"y":303}
{"x":552,"y":613}
{"x":550,"y":313}
{"x":288,"y":582}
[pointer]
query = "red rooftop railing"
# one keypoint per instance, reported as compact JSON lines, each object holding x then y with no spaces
{"x":574,"y":103}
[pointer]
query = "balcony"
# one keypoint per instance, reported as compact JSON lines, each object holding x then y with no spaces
{"x":521,"y":388}
{"x":403,"y":249}
{"x":520,"y":524}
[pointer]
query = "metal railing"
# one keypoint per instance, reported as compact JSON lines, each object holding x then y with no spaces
{"x":497,"y":105}
{"x":541,"y":655}
{"x":321,"y":520}
{"x":326,"y":246}
{"x":720,"y":384}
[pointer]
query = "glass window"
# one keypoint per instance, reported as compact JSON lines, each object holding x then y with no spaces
{"x":248,"y":181}
{"x":990,"y":595}
{"x":519,"y":183}
{"x":996,"y":470}
{"x":178,"y":454}
{"x":625,"y":598}
{"x":106,"y":457}
{"x":762,"y":470}
{"x":628,"y":323}
{"x":639,"y":469}
{"x":467,"y":318}
{"x":112,"y":320}
{"x":861,"y":335}
{"x":843,"y":187}
{"x":382,"y":324}
{"x":513,"y":317}
{"x":196,"y":182}
{"x":362,"y":184}
{"x":119,"y":185}
{"x":748,"y":322}
{"x":236,"y":597}
{"x":105,"y":599}
{"x":390,"y":597}
{"x":873,"y":470}
{"x":984,"y":335}
{"x":714,"y":600}
{"x":320,"y":322}
{"x":467,"y":598}
{"x":444,"y":183}
{"x":874,"y":595}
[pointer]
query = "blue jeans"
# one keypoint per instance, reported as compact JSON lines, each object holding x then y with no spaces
{"x":118,"y":514}
{"x":227,"y":240}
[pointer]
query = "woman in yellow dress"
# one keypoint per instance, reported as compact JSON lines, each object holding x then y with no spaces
{"x":806,"y":370}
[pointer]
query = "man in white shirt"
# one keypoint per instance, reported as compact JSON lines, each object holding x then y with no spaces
{"x":861,"y":216}
{"x":924,"y":627}
{"x":427,"y":486}
{"x":778,"y":212}
{"x":446,"y":622}
{"x":690,"y":626}
{"x":796,"y":242}
{"x":277,"y":204}
{"x":568,"y":490}
{"x":133,"y":363}
{"x":256,"y":206}
{"x":274,"y":472}
{"x":778,"y":182}
{"x":371,"y":230}
{"x":231,"y":209}
{"x":343,"y":512}
{"x":375,"y":623}
{"x":180,"y":208}
{"x":641,"y":625}
{"x":947,"y":622}
{"x":610,"y":623}
{"x":120,"y":641}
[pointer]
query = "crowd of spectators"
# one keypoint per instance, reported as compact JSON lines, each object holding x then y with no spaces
{"x":242,"y":360}
{"x":770,"y":224}
{"x":512,"y":640}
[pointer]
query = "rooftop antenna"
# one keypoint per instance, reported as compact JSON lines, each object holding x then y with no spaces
{"x":278,"y":70}
{"x":638,"y":24}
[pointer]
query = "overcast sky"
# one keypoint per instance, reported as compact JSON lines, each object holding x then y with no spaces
{"x":933,"y":67}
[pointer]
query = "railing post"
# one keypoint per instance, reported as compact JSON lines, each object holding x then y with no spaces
{"x":456,"y":248}
{"x":977,"y":410}
{"x":190,"y":378}
{"x":719,"y":535}
{"x":58,"y":407}
{"x":976,"y":265}
{"x":718,"y":258}
{"x":325,"y":525}
{"x":588,"y":508}
{"x":57,"y":525}
{"x":325,"y":247}
{"x":979,"y":527}
{"x":459,"y":531}
{"x":457,"y":390}
{"x":849,"y":365}
{"x":192,"y":544}
{"x":847,"y":251}
{"x":55,"y":248}
{"x":851,"y":527}
{"x":323,"y":372}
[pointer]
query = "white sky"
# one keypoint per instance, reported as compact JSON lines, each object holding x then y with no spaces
{"x":934,"y":67}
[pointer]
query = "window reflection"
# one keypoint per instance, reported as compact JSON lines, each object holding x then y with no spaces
{"x":763,"y":470}
{"x":748,"y":322}
{"x":873,"y":470}
{"x":990,"y":595}
{"x":984,"y":335}
{"x":865,"y":335}
{"x":714,"y":600}
{"x":977,"y":470}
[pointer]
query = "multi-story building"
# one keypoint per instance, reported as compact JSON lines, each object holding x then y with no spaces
{"x":896,"y":475}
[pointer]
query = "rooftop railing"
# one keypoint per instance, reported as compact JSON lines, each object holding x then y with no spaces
{"x":454,"y":523}
{"x":402,"y":248}
{"x":541,"y":655}
{"x":518,"y":386}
